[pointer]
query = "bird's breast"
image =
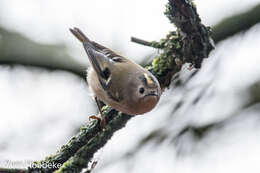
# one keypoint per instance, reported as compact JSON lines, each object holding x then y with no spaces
{"x":98,"y":91}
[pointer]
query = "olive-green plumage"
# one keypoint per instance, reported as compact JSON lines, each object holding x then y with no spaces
{"x":118,"y":81}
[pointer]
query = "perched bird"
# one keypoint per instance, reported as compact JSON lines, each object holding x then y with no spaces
{"x":118,"y":81}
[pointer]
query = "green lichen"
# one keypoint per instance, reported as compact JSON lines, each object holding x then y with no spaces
{"x":165,"y":62}
{"x":156,"y":44}
{"x":158,"y":65}
{"x":105,"y":108}
{"x":48,"y":158}
{"x":65,"y":165}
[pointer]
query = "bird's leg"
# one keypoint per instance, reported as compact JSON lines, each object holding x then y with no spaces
{"x":100,"y":119}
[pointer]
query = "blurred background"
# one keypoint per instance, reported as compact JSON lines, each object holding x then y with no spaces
{"x":204,"y":122}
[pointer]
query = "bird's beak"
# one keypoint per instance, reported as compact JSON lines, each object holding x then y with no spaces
{"x":153,"y":93}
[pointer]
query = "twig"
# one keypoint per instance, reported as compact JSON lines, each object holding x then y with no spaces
{"x":140,"y":41}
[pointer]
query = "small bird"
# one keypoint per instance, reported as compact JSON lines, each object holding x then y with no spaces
{"x":118,"y":81}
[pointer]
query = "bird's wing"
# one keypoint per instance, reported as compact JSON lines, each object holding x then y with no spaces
{"x":96,"y":46}
{"x":108,"y":52}
{"x":98,"y":56}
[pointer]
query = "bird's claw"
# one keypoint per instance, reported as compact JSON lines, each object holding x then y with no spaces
{"x":102,"y":121}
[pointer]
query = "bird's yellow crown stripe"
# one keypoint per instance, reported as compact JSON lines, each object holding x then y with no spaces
{"x":148,"y":79}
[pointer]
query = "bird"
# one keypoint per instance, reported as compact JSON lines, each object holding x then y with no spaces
{"x":118,"y":81}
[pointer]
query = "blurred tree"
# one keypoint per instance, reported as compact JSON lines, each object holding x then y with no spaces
{"x":17,"y":49}
{"x":235,"y":24}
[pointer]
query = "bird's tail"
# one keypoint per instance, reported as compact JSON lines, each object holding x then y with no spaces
{"x":80,"y":35}
{"x":87,"y":43}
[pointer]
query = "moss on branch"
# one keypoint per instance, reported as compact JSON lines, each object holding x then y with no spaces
{"x":191,"y":43}
{"x":84,"y":154}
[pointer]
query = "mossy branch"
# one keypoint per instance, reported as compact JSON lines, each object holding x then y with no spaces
{"x":85,"y":154}
{"x":191,"y":43}
{"x":85,"y":143}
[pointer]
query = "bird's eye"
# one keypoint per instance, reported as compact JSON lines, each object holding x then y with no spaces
{"x":106,"y":73}
{"x":141,"y":90}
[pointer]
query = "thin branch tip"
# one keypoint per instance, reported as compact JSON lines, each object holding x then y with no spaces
{"x":140,"y":41}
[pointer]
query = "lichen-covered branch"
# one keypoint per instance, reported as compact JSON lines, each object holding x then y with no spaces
{"x":84,"y":155}
{"x":86,"y":142}
{"x":86,"y":133}
{"x":191,"y":43}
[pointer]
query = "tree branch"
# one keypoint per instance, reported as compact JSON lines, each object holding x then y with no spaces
{"x":227,"y":27}
{"x":86,"y":142}
{"x":85,"y":154}
{"x":140,"y":41}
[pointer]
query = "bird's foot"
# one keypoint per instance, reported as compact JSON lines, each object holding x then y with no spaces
{"x":102,"y":121}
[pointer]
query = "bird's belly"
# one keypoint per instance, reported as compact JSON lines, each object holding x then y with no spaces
{"x":98,"y":91}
